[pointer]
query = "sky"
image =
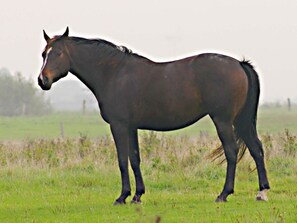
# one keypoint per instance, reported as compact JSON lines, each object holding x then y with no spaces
{"x":263,"y":31}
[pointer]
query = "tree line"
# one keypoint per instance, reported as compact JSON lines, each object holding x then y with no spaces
{"x":19,"y":96}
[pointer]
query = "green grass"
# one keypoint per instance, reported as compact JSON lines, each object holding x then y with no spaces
{"x":276,"y":120}
{"x":74,"y":125}
{"x":270,"y":121}
{"x":44,"y":178}
{"x":77,"y":180}
{"x":80,"y":196}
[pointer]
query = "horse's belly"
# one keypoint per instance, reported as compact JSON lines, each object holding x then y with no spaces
{"x":164,"y":120}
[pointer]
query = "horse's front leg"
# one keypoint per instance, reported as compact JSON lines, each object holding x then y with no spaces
{"x":135,"y":164}
{"x":121,"y":137}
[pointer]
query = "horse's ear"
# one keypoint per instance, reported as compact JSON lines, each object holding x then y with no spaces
{"x":66,"y":33}
{"x":46,"y":37}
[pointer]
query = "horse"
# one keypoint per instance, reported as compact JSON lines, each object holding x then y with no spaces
{"x":134,"y":92}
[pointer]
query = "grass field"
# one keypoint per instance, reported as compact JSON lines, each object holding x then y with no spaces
{"x":44,"y":178}
{"x":74,"y":125}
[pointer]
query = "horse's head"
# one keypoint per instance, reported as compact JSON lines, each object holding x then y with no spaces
{"x":56,"y":62}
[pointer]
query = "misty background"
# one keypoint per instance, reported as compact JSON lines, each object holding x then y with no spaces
{"x":264,"y":32}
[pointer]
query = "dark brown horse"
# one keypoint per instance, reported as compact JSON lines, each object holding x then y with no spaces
{"x":134,"y":93}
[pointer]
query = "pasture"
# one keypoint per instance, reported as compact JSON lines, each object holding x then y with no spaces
{"x":46,"y":178}
{"x":270,"y":121}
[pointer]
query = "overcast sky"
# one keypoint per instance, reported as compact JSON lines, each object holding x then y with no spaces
{"x":264,"y":31}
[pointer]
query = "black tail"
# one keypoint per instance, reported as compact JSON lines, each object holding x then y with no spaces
{"x":247,"y":118}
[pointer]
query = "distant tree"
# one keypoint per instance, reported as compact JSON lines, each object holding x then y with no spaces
{"x":19,"y":96}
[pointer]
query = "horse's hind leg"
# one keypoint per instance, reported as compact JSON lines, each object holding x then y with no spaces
{"x":256,"y":150}
{"x":226,"y":135}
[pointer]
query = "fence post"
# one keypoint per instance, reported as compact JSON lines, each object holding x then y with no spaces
{"x":24,"y":109}
{"x":62,"y":129}
{"x":84,"y":106}
{"x":289,"y":104}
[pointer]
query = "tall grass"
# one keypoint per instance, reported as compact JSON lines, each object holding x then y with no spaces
{"x":159,"y":153}
{"x":64,"y":180}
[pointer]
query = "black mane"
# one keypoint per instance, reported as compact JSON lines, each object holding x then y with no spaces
{"x":100,"y":42}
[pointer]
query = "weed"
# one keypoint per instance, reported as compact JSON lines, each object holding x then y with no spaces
{"x":290,"y":143}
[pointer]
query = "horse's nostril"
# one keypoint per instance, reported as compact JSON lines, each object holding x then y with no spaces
{"x":45,"y":80}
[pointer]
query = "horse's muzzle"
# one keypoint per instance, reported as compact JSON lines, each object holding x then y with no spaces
{"x":44,"y":82}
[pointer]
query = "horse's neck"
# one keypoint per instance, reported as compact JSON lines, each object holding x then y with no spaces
{"x":90,"y":67}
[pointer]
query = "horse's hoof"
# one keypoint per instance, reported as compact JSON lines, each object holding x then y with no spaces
{"x":136,"y":199}
{"x":220,"y":200}
{"x":261,"y":196}
{"x":116,"y":203}
{"x":136,"y":202}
